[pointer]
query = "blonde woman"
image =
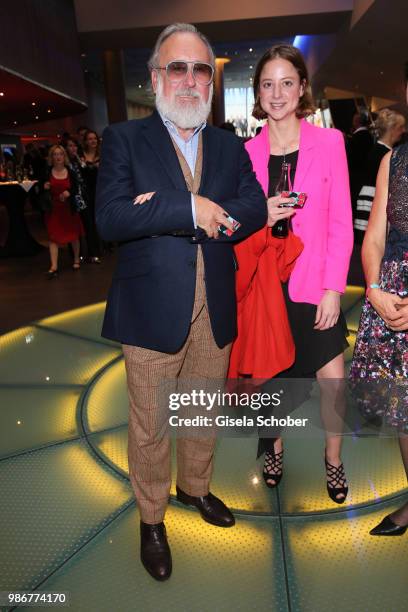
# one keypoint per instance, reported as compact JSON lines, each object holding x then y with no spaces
{"x":62,"y":220}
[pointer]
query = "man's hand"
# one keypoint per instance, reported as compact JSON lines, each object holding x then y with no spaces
{"x":328,"y":310}
{"x":143,"y":197}
{"x":210,"y":216}
{"x":275,"y":213}
{"x":64,"y":196}
{"x":392,"y":309}
{"x":47,"y":185}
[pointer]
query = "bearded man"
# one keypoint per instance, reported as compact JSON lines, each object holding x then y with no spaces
{"x":166,"y":184}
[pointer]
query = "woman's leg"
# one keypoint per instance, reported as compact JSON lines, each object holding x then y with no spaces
{"x":400,"y":516}
{"x":272,"y":463}
{"x":76,"y":249}
{"x":333,"y":408}
{"x":53,"y":256}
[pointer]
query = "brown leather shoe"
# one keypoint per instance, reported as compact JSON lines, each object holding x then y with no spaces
{"x":154,"y":550}
{"x":212,"y":509}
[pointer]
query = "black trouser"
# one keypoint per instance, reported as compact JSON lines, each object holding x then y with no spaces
{"x":93,"y":242}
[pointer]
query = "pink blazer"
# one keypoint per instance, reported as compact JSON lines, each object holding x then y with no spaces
{"x":325,"y":223}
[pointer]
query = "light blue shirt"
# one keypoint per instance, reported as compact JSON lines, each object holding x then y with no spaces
{"x":188,"y":148}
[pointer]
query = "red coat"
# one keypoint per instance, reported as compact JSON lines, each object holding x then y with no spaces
{"x":264,"y":345}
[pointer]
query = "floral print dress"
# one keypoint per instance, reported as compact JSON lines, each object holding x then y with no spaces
{"x":379,"y":370}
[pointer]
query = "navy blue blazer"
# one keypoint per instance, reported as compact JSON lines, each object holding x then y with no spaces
{"x":150,"y":302}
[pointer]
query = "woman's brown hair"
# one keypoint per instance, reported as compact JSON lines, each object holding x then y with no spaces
{"x":85,"y":147}
{"x":293,"y":55}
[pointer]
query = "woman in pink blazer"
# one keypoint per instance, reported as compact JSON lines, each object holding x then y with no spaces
{"x":324,"y":225}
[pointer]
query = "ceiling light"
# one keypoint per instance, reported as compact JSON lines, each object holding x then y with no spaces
{"x":49,"y":110}
{"x":35,"y":136}
{"x":15,"y":122}
{"x":1,"y":93}
{"x":83,"y":54}
{"x":37,"y":117}
{"x":32,"y":103}
{"x":250,"y":49}
{"x":250,"y":67}
{"x":139,"y":86}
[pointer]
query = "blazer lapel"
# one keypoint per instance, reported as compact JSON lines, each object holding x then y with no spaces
{"x":259,"y":154}
{"x":306,"y":154}
{"x":211,"y":151}
{"x":159,"y":139}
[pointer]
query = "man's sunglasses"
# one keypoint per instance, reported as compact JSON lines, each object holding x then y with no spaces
{"x":177,"y":71}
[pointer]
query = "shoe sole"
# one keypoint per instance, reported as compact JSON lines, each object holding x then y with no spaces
{"x":388,"y":534}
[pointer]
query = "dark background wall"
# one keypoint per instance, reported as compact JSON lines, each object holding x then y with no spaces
{"x":39,"y":41}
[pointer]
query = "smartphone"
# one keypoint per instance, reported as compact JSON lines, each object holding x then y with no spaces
{"x":298,"y":199}
{"x":225,"y":230}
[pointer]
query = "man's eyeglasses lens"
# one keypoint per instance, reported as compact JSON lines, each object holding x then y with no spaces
{"x":202,"y":73}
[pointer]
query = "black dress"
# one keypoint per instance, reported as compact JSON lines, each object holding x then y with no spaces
{"x":90,"y":174}
{"x":314,"y":348}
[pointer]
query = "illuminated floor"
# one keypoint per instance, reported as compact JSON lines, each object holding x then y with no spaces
{"x":69,"y":522}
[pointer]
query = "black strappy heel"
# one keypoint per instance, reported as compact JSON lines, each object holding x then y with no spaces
{"x":336,"y":482}
{"x":273,"y":468}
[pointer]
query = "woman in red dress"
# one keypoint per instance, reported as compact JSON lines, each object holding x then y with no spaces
{"x":63,"y":224}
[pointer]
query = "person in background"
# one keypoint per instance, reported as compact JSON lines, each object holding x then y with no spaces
{"x":62,"y":221}
{"x":390,"y":126}
{"x":36,"y":169}
{"x":380,"y":359}
{"x":80,"y":134}
{"x":77,"y":167}
{"x":34,"y":163}
{"x":227,"y":125}
{"x":91,"y":159}
{"x":358,"y":147}
{"x":324,"y":225}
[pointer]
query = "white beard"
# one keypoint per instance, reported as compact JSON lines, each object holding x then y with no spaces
{"x":185,"y":116}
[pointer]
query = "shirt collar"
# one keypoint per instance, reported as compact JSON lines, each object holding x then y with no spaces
{"x":173,"y":129}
